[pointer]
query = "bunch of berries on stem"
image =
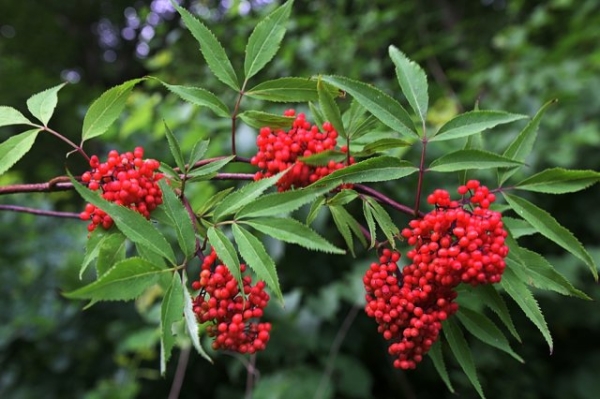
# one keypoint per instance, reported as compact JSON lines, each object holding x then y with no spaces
{"x":233,"y":314}
{"x":458,"y":242}
{"x":125,"y":179}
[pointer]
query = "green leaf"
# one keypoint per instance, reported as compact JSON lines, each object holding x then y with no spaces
{"x":559,"y":181}
{"x":286,"y":90}
{"x":171,"y":173}
{"x":112,"y":251}
{"x":191,"y":322}
{"x":212,"y":51}
{"x":385,"y":144}
{"x":435,"y":353}
{"x":280,"y":203}
{"x":368,"y":212}
{"x":473,"y":122}
{"x":470,"y":159}
{"x":522,"y":145}
{"x":225,"y":252}
{"x":15,"y":147}
{"x":209,"y":169}
{"x":551,"y":229}
{"x":201,"y":97}
{"x":315,"y":207}
{"x":413,"y":82}
{"x":150,"y":255}
{"x":316,"y":113}
{"x":380,"y":104}
{"x":292,"y":231}
{"x":175,"y":148}
{"x":492,"y":299}
{"x":259,"y":119}
{"x":106,"y":109}
{"x":184,"y":228}
{"x":485,"y":330}
{"x":197,"y":153}
{"x":42,"y":105}
{"x":136,"y":227}
{"x":265,"y":39}
{"x":239,"y":198}
{"x":462,"y":353}
{"x":10,"y":116}
{"x":519,"y":292}
{"x":124,"y":281}
{"x":92,"y":247}
{"x":330,"y":109}
{"x":215,"y":199}
{"x":171,"y":311}
{"x":343,"y":197}
{"x":518,"y":227}
{"x":371,"y":170}
{"x":323,"y":158}
{"x":384,"y":221}
{"x":255,"y":255}
{"x":346,"y":225}
{"x":536,"y":271}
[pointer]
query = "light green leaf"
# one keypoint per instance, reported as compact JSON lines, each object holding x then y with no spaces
{"x":191,"y":323}
{"x":42,"y":105}
{"x":323,"y":158}
{"x":522,"y":145}
{"x":171,"y":311}
{"x":380,"y":104}
{"x":255,"y":255}
{"x":201,"y":97}
{"x":15,"y":148}
{"x":106,"y":109}
{"x":473,"y":122}
{"x":212,"y":51}
{"x":384,"y":221}
{"x":518,"y":227}
{"x":239,"y":198}
{"x":330,"y":109}
{"x":206,"y":171}
{"x":316,"y":113}
{"x":175,"y":148}
{"x":259,"y":119}
{"x":184,"y":227}
{"x":226,"y":253}
{"x":519,"y":292}
{"x":136,"y":227}
{"x":485,"y":330}
{"x":315,"y":207}
{"x":559,"y":181}
{"x":171,"y":173}
{"x":286,"y":90}
{"x":551,"y":229}
{"x":435,"y":353}
{"x":346,"y":225}
{"x":214,"y":200}
{"x":470,"y":159}
{"x":292,"y":231}
{"x":10,"y":116}
{"x":92,"y":247}
{"x":112,"y":250}
{"x":197,"y":153}
{"x":383,"y":168}
{"x":385,"y":144}
{"x":280,"y":203}
{"x":413,"y":82}
{"x":462,"y":353}
{"x":368,"y":212}
{"x":343,"y":197}
{"x":124,"y":281}
{"x":265,"y":39}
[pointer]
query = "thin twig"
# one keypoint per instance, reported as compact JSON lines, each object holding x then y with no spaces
{"x":250,"y":376}
{"x":385,"y":199}
{"x":184,"y":357}
{"x":39,"y":212}
{"x":335,"y":348}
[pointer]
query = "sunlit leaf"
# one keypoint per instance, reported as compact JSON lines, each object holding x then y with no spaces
{"x":413,"y":82}
{"x":15,"y":148}
{"x":473,"y":122}
{"x":10,"y":116}
{"x":201,"y":97}
{"x":287,"y":89}
{"x":470,"y":159}
{"x":42,"y":105}
{"x":383,"y":168}
{"x":559,"y":181}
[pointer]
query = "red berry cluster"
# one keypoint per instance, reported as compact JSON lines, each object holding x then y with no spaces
{"x":278,"y":150}
{"x":233,"y":315}
{"x":458,"y":242}
{"x":125,"y":179}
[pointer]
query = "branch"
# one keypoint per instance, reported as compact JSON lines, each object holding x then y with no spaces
{"x":386,"y":200}
{"x":184,"y":356}
{"x":40,"y":212}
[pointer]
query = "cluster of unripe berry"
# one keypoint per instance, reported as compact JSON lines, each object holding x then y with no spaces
{"x":233,"y":315}
{"x":125,"y":179}
{"x":279,"y":150}
{"x":458,"y":242}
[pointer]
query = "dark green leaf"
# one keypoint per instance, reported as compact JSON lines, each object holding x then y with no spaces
{"x":559,"y":181}
{"x":175,"y":148}
{"x":255,"y":255}
{"x":384,"y":221}
{"x":280,"y":203}
{"x":265,"y":39}
{"x":368,"y":212}
{"x":112,"y":250}
{"x":292,"y":231}
{"x":197,"y":153}
{"x":518,"y":227}
{"x":519,"y":292}
{"x":315,"y":207}
{"x":136,"y":227}
{"x":106,"y":109}
{"x":286,"y":90}
{"x":171,"y":311}
{"x":473,"y":122}
{"x":470,"y":159}
{"x":225,"y":252}
{"x":492,"y":299}
{"x":260,"y":119}
{"x":383,"y":168}
{"x":92,"y":247}
{"x":435,"y":353}
{"x":42,"y":105}
{"x":180,"y":218}
{"x":201,"y":97}
{"x":15,"y":148}
{"x":316,"y":113}
{"x":330,"y":109}
{"x":171,"y":173}
{"x":346,"y":225}
{"x":124,"y":281}
{"x":551,"y":229}
{"x":212,"y":51}
{"x":214,"y":200}
{"x":10,"y":116}
{"x":343,"y":197}
{"x":384,"y":107}
{"x":413,"y":82}
{"x":462,"y":353}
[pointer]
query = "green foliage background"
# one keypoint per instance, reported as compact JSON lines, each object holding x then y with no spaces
{"x":505,"y":55}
